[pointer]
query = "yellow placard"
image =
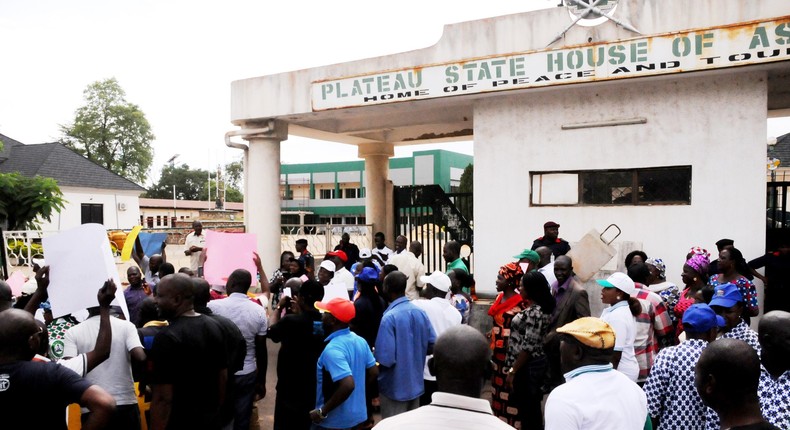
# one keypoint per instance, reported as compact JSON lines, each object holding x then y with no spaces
{"x":126,"y":254}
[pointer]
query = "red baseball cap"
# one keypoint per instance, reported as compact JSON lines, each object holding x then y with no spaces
{"x":340,"y":254}
{"x":340,"y":308}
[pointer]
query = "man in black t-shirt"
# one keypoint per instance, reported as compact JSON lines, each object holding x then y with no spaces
{"x":40,"y":391}
{"x":302,"y":338}
{"x":189,"y":362}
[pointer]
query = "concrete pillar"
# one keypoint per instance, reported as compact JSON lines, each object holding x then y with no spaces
{"x":262,"y":192}
{"x":377,"y":169}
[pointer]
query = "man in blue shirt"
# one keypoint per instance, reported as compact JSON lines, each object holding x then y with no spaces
{"x":405,"y":337}
{"x":341,"y":370}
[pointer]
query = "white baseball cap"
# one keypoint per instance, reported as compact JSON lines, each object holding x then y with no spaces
{"x":621,"y":281}
{"x":438,"y":279}
{"x":365,"y":253}
{"x":328,"y":265}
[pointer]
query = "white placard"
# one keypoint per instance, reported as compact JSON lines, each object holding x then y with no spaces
{"x":335,"y":290}
{"x":80,"y":261}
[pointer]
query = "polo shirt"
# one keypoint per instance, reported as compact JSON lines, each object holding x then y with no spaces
{"x":458,"y":263}
{"x":596,"y":397}
{"x":401,"y":346}
{"x":346,"y":354}
{"x":447,"y":411}
{"x":622,"y":321}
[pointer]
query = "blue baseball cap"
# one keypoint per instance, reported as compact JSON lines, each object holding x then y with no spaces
{"x":726,"y":295}
{"x":701,"y":318}
{"x":368,"y":274}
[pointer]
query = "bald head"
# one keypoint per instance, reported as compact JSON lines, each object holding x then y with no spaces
{"x":462,"y":374}
{"x":17,"y":342}
{"x":774,"y":334}
{"x":175,"y":295}
{"x":727,"y":374}
{"x":545,"y":255}
{"x":5,"y":296}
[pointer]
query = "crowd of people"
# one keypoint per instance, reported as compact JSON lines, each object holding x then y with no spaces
{"x":369,"y":332}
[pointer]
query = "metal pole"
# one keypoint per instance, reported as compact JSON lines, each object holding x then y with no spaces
{"x":174,"y":204}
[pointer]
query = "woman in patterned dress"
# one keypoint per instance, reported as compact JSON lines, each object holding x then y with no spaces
{"x":729,"y":260}
{"x":694,"y":276}
{"x":657,"y":283}
{"x":506,"y":305}
{"x":526,"y":360}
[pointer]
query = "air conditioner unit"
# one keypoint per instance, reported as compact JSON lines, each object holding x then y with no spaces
{"x":121,"y":206}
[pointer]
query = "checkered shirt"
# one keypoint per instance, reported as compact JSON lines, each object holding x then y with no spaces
{"x":671,"y":396}
{"x":652,"y":322}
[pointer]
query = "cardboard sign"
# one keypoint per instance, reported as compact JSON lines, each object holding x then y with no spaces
{"x":128,"y":243}
{"x":16,"y":281}
{"x":80,"y":261}
{"x":226,"y":253}
{"x":152,"y":242}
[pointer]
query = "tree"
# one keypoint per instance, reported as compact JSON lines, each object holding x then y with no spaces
{"x":191,"y":184}
{"x":467,"y":185}
{"x":111,"y":132}
{"x":234,"y":173}
{"x":24,"y":200}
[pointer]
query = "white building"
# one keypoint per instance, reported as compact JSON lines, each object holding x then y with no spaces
{"x":92,"y":193}
{"x":577,"y":120}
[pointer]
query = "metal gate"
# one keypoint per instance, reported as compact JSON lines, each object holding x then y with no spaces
{"x":427,"y":214}
{"x":777,"y":216}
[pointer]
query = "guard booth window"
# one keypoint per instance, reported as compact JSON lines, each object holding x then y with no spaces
{"x":92,"y":213}
{"x":646,"y":186}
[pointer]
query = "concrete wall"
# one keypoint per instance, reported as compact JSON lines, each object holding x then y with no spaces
{"x":71,"y":215}
{"x":713,"y":122}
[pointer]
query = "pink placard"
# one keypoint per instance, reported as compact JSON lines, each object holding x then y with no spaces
{"x":16,"y":281}
{"x":226,"y":253}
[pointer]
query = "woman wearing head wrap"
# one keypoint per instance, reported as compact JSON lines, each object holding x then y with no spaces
{"x":506,"y":305}
{"x":730,"y":260}
{"x":694,"y":276}
{"x":657,"y":283}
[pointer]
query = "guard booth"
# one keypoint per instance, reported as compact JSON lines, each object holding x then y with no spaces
{"x":650,"y":114}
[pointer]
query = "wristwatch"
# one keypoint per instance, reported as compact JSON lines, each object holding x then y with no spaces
{"x":511,"y":370}
{"x":321,"y":413}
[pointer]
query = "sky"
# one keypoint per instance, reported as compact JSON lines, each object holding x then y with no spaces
{"x":176,"y":59}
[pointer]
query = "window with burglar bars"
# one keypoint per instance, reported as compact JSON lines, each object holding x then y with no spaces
{"x":644,"y":186}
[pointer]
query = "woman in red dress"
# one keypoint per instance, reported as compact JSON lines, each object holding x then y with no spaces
{"x":508,"y":304}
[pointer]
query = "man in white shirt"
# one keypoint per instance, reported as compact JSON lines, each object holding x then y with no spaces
{"x":410,"y":265}
{"x":342,"y":275}
{"x":594,"y":395}
{"x":115,"y":374}
{"x":460,"y":379}
{"x":253,"y":324}
{"x":381,"y":251}
{"x":195,"y":242}
{"x":442,"y":315}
